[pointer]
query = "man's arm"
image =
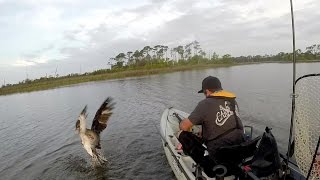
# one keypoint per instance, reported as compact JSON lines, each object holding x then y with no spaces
{"x":185,"y":124}
{"x":196,"y":116}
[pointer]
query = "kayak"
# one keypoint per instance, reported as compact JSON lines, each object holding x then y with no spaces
{"x":185,"y":168}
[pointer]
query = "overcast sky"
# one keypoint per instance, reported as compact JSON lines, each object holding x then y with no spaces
{"x":38,"y":37}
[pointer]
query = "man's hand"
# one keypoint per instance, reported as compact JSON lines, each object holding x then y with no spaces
{"x":185,"y":124}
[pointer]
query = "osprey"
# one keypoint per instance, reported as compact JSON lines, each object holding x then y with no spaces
{"x":90,"y":138}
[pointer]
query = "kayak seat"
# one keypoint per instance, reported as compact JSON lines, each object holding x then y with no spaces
{"x":264,"y":158}
{"x":237,"y":153}
{"x":233,"y":156}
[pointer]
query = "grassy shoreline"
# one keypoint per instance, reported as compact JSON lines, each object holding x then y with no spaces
{"x":73,"y":80}
{"x":61,"y":82}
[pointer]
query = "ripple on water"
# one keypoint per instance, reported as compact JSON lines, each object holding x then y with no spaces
{"x":38,"y":139}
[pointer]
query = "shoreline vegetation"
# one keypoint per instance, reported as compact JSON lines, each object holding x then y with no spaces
{"x":155,"y":60}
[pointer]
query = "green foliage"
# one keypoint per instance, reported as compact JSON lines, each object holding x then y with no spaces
{"x":156,"y":60}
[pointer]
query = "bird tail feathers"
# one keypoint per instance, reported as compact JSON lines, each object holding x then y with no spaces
{"x":97,"y":158}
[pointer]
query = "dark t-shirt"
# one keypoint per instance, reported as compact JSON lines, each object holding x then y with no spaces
{"x":216,"y":115}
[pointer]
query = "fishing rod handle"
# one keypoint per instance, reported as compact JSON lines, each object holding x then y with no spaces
{"x":177,"y":116}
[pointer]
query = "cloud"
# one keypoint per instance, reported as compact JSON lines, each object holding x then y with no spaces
{"x":121,"y":30}
{"x":36,"y":61}
{"x":236,"y":27}
{"x":39,"y":52}
{"x":44,"y":34}
{"x":35,"y":58}
{"x":24,"y":63}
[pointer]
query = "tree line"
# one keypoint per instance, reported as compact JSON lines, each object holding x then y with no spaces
{"x":192,"y":53}
{"x":161,"y":56}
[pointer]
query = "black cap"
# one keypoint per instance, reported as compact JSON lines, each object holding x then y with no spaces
{"x":210,"y":82}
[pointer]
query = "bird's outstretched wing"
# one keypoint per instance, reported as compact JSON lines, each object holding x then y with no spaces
{"x":102,"y":116}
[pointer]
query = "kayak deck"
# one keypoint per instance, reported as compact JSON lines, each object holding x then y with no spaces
{"x":182,"y":165}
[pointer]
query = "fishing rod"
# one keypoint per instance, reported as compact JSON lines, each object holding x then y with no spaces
{"x":177,"y":116}
{"x":293,"y":95}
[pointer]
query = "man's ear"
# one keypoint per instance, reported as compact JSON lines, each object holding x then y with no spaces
{"x":207,"y":92}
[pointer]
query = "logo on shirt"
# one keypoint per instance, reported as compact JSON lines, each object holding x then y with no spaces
{"x":224,"y":114}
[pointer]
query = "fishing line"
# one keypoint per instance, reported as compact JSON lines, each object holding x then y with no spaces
{"x":158,"y":131}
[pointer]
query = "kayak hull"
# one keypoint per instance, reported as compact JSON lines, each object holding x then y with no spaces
{"x":183,"y":166}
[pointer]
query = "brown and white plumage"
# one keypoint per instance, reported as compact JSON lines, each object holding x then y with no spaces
{"x":90,"y":138}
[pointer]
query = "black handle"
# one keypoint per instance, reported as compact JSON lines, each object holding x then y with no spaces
{"x":177,"y":116}
{"x":220,"y":171}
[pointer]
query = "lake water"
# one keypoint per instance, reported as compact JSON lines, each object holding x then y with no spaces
{"x":37,"y":130}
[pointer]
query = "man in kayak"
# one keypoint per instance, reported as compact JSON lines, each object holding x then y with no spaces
{"x":221,"y":125}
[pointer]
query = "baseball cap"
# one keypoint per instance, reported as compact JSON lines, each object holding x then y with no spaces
{"x":210,"y":82}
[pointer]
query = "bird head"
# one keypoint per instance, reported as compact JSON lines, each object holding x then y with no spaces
{"x":82,"y":117}
{"x":78,"y":126}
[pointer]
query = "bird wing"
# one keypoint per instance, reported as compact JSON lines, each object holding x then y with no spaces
{"x":102,"y":116}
